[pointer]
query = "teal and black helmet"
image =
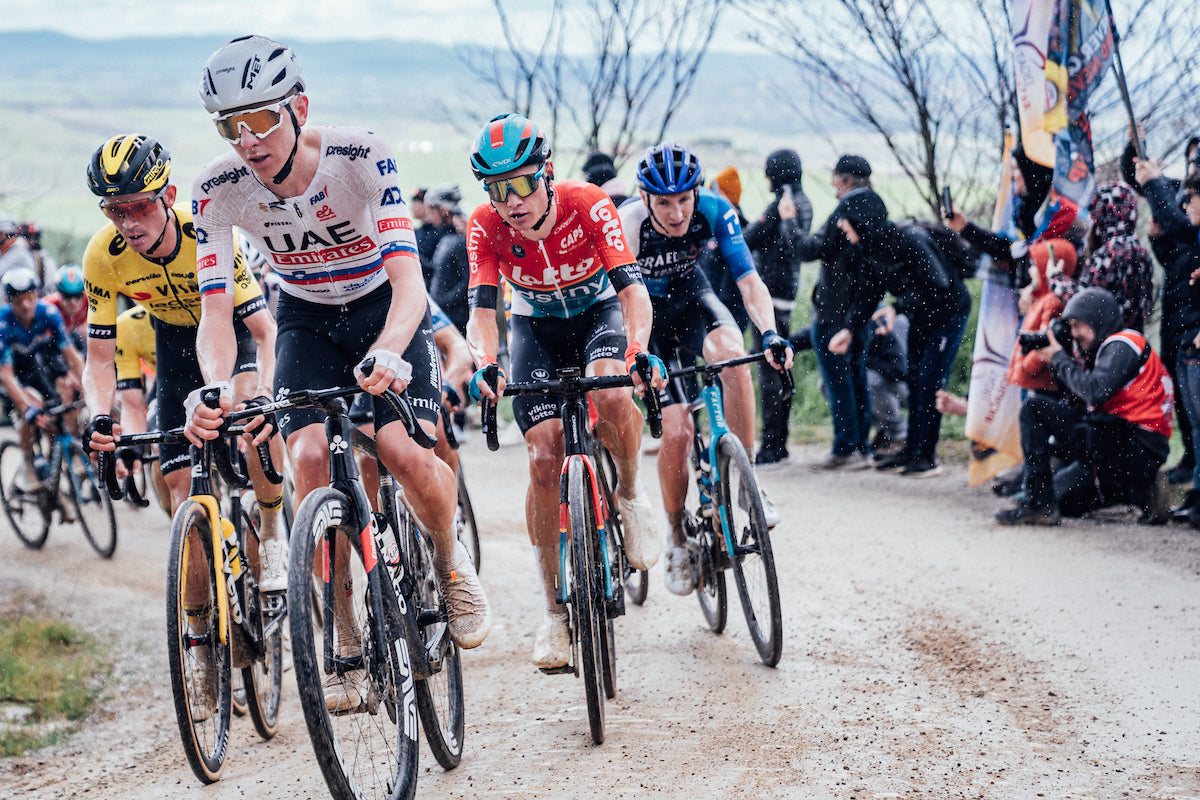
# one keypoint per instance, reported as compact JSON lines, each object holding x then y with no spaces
{"x":507,"y":142}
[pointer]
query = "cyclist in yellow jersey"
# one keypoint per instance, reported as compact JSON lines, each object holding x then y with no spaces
{"x":148,"y":254}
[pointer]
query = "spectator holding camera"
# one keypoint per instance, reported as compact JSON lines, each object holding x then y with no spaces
{"x":1114,"y":420}
{"x":1040,"y":305}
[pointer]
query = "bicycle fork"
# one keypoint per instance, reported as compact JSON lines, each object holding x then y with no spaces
{"x":615,"y":602}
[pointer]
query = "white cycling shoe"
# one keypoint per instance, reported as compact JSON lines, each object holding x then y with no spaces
{"x":552,"y":645}
{"x":273,"y":566}
{"x":643,"y":540}
{"x":679,"y":575}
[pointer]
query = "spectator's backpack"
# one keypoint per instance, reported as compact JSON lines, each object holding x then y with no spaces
{"x":957,"y":254}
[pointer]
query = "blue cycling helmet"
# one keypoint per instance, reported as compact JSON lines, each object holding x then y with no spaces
{"x":507,"y":142}
{"x":669,"y":169}
{"x":70,"y":279}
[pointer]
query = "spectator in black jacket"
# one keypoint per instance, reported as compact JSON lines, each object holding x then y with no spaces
{"x":906,"y":262}
{"x":1173,"y":242}
{"x":773,"y":239}
{"x":451,"y":272}
{"x":844,"y":373}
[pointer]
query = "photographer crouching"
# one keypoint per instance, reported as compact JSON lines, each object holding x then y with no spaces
{"x":1113,"y":422}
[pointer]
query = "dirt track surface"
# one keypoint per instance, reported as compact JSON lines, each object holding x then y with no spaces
{"x":928,"y":653}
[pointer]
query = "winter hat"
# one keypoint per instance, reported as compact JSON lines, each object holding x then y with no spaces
{"x":729,"y":183}
{"x":599,"y":168}
{"x":1064,"y":254}
{"x":856,"y":166}
{"x":783,"y":167}
{"x":1113,"y":209}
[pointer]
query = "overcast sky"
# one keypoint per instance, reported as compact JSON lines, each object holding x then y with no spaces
{"x":443,"y":21}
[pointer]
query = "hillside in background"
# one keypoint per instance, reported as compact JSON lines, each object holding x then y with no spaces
{"x":64,"y":96}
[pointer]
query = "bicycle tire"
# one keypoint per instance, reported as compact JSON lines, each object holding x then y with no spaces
{"x":27,"y":512}
{"x":440,"y":696}
{"x":93,"y":507}
{"x":711,"y":590}
{"x":586,"y":597}
{"x":636,"y":581}
{"x":608,"y":641}
{"x":203,"y":720}
{"x":468,"y":531}
{"x":263,"y":679}
{"x":363,"y":755}
{"x":753,"y":560}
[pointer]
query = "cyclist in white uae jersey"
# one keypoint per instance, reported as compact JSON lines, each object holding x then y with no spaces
{"x":323,"y":205}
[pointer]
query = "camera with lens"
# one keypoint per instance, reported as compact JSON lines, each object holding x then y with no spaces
{"x":1036,"y":340}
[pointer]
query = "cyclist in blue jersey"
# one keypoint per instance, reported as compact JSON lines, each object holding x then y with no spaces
{"x":668,"y":228}
{"x":32,"y":334}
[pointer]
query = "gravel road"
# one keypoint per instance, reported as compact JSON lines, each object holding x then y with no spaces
{"x":928,"y":653}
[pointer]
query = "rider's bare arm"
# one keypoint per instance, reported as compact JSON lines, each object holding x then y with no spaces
{"x":262,"y":327}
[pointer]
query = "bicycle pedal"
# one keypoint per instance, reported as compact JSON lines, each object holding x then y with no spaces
{"x":563,"y":670}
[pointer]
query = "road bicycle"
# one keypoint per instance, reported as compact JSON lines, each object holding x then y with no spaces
{"x":727,"y":528}
{"x":592,"y":565}
{"x":217,"y":620}
{"x":67,"y":483}
{"x":377,"y":570}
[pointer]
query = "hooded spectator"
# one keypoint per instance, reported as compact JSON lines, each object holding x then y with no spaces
{"x":600,"y":170}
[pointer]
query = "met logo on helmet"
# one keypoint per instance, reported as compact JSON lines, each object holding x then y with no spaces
{"x":252,"y":73}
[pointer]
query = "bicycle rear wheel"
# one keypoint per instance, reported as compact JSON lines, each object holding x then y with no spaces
{"x":440,"y":696}
{"x":200,"y":673}
{"x":752,"y":558}
{"x":636,"y":581}
{"x":468,"y":532}
{"x":93,"y":508}
{"x":263,"y":679}
{"x":710,"y":588}
{"x":359,"y":703}
{"x":27,"y":512}
{"x":586,"y":596}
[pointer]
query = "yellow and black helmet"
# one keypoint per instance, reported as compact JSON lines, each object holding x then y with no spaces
{"x":128,"y":164}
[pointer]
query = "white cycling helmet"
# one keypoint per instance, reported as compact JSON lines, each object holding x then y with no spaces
{"x":249,"y":71}
{"x":18,"y":281}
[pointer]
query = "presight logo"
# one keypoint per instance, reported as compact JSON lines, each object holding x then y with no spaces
{"x":231,"y":176}
{"x":351,"y":152}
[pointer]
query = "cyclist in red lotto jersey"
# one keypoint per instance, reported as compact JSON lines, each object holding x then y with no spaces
{"x":577,"y":300}
{"x":323,"y":205}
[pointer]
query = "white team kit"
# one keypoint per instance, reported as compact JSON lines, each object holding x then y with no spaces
{"x":328,"y":244}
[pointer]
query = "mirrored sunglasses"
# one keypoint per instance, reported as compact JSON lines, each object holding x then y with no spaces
{"x":259,"y":121}
{"x":133,"y":210}
{"x":523,"y":185}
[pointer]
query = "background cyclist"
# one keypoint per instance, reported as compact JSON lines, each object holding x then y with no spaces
{"x":324,"y":207}
{"x":668,"y":228}
{"x":32,"y":335}
{"x":577,"y":300}
{"x":147,"y":252}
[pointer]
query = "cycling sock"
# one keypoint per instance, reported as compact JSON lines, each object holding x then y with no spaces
{"x":546,"y":557}
{"x":448,"y":562}
{"x":675,"y":522}
{"x":268,"y":515}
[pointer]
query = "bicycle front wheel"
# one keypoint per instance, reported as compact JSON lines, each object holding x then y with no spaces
{"x":27,"y":512}
{"x":263,"y":679}
{"x":359,"y":703}
{"x":440,"y":696}
{"x":468,"y":532}
{"x":752,"y":558}
{"x":93,"y":508}
{"x":587,"y":594}
{"x":200,"y":673}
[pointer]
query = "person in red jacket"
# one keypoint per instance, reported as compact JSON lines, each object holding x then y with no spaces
{"x":1115,"y":417}
{"x":1040,"y":304}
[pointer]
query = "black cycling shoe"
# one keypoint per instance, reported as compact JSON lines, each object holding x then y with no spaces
{"x":1024,"y":514}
